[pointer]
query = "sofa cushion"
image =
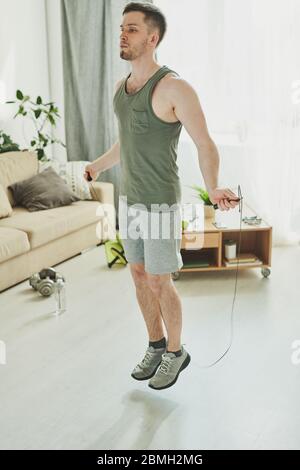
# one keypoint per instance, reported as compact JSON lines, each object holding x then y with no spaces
{"x":45,"y":190}
{"x":16,"y":166}
{"x":5,"y":207}
{"x":47,"y":225}
{"x":72,"y":173}
{"x":12,"y":243}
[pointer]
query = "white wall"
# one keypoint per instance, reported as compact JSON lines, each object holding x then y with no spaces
{"x":24,"y":63}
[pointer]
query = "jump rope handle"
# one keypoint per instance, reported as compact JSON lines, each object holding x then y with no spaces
{"x":215,"y":206}
{"x":89,"y":178}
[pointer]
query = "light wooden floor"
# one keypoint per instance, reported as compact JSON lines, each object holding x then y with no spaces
{"x":67,"y":384}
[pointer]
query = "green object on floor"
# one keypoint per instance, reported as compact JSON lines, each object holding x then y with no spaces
{"x":184,"y":224}
{"x":115,"y":252}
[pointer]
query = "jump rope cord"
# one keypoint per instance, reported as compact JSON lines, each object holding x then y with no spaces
{"x":236,"y":277}
{"x":234,"y":296}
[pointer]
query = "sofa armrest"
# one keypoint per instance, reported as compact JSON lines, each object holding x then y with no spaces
{"x":103,"y":192}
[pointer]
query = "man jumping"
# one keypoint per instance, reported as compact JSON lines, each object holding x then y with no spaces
{"x":152,"y":104}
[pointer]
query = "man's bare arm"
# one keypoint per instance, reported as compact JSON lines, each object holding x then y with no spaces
{"x":187,"y":108}
{"x":108,"y":159}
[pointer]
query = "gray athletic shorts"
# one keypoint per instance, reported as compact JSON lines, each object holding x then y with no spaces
{"x":151,"y":237}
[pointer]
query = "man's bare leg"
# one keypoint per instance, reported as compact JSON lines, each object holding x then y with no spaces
{"x":164,"y":290}
{"x":148,"y":302}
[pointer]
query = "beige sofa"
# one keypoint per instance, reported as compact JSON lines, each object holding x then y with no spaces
{"x":30,"y":241}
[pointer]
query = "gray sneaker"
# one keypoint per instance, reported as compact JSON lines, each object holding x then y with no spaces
{"x":169,"y":369}
{"x":148,"y":366}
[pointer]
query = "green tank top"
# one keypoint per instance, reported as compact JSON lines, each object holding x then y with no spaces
{"x":148,"y":147}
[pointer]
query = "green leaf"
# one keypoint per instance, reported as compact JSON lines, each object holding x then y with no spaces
{"x":42,"y":137}
{"x":39,"y":100}
{"x":37,"y":113}
{"x":19,"y":95}
{"x":40,"y":153}
{"x":202,"y":194}
{"x":9,"y":102}
{"x":51,"y":119}
{"x":7,"y":139}
{"x":9,"y":148}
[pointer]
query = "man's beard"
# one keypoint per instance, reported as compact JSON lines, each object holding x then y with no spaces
{"x":128,"y":55}
{"x":131,"y":55}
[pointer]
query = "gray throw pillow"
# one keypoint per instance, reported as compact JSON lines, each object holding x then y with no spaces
{"x":45,"y":190}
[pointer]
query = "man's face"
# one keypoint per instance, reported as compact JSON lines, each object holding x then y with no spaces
{"x":134,"y":36}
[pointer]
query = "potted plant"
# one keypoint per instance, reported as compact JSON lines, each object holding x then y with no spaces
{"x":41,"y":114}
{"x":209,"y":211}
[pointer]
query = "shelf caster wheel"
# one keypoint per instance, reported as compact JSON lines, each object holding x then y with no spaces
{"x":175,"y":275}
{"x":266,"y":272}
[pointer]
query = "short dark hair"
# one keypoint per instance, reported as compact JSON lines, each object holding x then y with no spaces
{"x":154,"y":18}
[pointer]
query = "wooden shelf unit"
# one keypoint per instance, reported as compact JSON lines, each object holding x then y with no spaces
{"x":209,"y":244}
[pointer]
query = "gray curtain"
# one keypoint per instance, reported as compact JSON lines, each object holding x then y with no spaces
{"x":91,"y":67}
